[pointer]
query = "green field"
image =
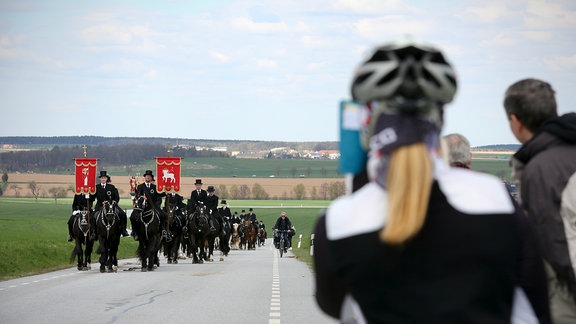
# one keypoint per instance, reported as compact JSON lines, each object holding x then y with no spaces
{"x":34,"y":233}
{"x":283,"y":168}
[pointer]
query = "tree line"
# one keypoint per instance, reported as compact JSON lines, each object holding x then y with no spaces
{"x":58,"y":159}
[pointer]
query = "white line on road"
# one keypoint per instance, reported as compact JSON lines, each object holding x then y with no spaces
{"x":275,"y":299}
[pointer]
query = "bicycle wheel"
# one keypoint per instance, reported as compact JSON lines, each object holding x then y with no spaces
{"x":281,"y":246}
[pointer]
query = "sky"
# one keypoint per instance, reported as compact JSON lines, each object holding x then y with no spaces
{"x":260,"y":70}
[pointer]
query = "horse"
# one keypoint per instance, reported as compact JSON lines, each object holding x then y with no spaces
{"x":235,"y":237}
{"x":261,"y":236}
{"x":83,"y":231}
{"x":250,"y":235}
{"x":145,"y":220}
{"x":197,"y":232}
{"x":222,"y":235}
{"x":108,"y":224}
{"x":177,"y":220}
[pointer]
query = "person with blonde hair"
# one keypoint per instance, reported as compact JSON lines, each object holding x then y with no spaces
{"x":435,"y":244}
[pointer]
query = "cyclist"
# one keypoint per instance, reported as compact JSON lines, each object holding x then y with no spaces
{"x":282,"y":224}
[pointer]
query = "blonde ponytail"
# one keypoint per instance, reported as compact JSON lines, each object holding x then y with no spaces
{"x":409,"y":185}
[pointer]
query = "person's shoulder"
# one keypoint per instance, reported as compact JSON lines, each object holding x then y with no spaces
{"x":474,"y":192}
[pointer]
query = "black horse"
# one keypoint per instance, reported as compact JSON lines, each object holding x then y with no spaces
{"x":145,"y":220}
{"x":82,"y":231}
{"x":176,"y":219}
{"x":108,"y":223}
{"x":223,"y":233}
{"x":197,"y":231}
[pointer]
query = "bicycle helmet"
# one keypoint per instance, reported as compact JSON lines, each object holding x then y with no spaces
{"x":404,"y":71}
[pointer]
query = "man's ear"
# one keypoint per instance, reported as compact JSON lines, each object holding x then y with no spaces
{"x":519,"y":130}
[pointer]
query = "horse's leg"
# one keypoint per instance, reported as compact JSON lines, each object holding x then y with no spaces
{"x":142,"y":253}
{"x":79,"y":253}
{"x":88,"y":254}
{"x":103,"y":249}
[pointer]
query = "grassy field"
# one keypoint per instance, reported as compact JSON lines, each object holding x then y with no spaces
{"x":34,"y":233}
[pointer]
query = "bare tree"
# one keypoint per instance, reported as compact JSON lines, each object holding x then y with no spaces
{"x":336,"y":189}
{"x":314,"y":193}
{"x":324,"y":191}
{"x":16,"y":189}
{"x":258,"y":192}
{"x":293,"y":171}
{"x":223,"y":191}
{"x":244,"y":191}
{"x":57,"y":192}
{"x":234,"y":192}
{"x":299,"y":191}
{"x":34,"y":189}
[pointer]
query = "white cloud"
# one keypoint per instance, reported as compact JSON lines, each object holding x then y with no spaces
{"x":393,"y":27}
{"x":220,"y":57}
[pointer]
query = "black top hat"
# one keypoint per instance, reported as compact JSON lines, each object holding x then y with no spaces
{"x":210,"y":189}
{"x":243,"y":211}
{"x":103,"y":174}
{"x":149,"y":172}
{"x":223,"y":201}
{"x":250,"y":209}
{"x":198,"y":181}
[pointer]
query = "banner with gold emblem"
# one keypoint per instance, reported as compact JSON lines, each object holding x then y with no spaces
{"x":168,"y":174}
{"x":85,"y":175}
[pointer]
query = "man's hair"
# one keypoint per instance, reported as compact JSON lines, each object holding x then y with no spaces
{"x":531,"y":101}
{"x":458,"y":149}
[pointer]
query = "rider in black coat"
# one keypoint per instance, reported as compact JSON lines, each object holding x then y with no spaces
{"x":105,"y":191}
{"x":283,"y":223}
{"x":148,"y":189}
{"x":212,"y":208}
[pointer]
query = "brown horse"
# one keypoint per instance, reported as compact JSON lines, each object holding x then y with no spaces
{"x":235,"y":238}
{"x":250,"y":235}
{"x":261,"y":236}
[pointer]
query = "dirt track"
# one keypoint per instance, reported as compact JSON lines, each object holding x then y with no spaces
{"x":275,"y":187}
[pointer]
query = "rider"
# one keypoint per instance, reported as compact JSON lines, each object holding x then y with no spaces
{"x":197,"y":195}
{"x":105,"y":191}
{"x":148,"y":189}
{"x":225,"y":210}
{"x":235,"y":219}
{"x":81,"y":203}
{"x":252,"y":217}
{"x":284,"y":224}
{"x":212,"y":209}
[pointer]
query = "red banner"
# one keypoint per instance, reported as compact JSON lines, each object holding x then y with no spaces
{"x":168,"y":174}
{"x":85,"y":175}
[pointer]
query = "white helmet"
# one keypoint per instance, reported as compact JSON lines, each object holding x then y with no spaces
{"x":404,"y":71}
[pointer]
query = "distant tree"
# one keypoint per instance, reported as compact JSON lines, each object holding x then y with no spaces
{"x":336,"y":190}
{"x":244,"y":191}
{"x":293,"y":171}
{"x":16,"y":189}
{"x":258,"y":192}
{"x":5,"y":177}
{"x":277,"y":171}
{"x":308,"y":171}
{"x":324,"y":191}
{"x":34,"y":189}
{"x":223,"y":191}
{"x":323,"y":172}
{"x":313,"y":193}
{"x":299,"y":191}
{"x":57,"y":192}
{"x":234,"y":192}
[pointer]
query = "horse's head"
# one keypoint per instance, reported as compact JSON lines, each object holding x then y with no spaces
{"x":140,"y":202}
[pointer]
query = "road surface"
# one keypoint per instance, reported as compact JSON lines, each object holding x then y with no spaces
{"x":247,"y":287}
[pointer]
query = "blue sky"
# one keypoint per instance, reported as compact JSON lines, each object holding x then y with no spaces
{"x":260,"y":70}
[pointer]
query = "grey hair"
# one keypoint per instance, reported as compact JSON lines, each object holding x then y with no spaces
{"x":458,"y":149}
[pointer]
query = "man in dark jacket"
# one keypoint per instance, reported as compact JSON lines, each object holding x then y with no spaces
{"x":283,"y":224}
{"x":197,"y":195}
{"x":545,"y":167}
{"x":105,"y":191}
{"x":212,"y":209}
{"x":148,"y":189}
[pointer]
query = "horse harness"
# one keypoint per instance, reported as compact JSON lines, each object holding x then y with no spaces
{"x":145,"y":213}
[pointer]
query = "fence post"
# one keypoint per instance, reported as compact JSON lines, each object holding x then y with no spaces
{"x":311,"y":244}
{"x":299,"y":240}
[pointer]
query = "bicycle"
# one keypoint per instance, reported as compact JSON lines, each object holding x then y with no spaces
{"x":281,"y":244}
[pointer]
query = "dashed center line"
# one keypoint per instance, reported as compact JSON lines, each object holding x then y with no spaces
{"x":274,"y":317}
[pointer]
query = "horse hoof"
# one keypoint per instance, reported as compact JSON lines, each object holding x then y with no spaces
{"x":143,"y":269}
{"x":102,"y":269}
{"x":175,"y":261}
{"x":114,"y":268}
{"x":80,"y":268}
{"x":221,"y":259}
{"x":88,"y":266}
{"x":169,"y":261}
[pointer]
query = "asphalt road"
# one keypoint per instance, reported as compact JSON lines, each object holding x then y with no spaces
{"x":247,"y":287}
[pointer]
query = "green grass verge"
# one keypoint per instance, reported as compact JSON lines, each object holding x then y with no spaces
{"x":34,"y":232}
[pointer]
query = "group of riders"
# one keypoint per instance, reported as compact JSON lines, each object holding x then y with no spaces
{"x":107,"y":193}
